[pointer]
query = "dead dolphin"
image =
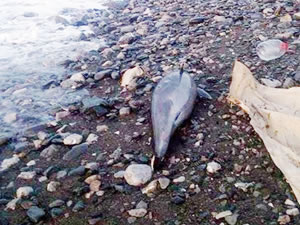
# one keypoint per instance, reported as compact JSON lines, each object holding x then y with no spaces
{"x":172,"y":102}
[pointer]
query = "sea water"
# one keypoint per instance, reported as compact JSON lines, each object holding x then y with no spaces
{"x":36,"y":37}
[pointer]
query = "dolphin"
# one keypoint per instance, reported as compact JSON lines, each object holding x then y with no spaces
{"x":172,"y":103}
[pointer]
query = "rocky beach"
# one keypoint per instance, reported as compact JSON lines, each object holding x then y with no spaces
{"x":91,"y":164}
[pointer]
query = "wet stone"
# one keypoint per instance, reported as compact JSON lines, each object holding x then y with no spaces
{"x":75,"y":152}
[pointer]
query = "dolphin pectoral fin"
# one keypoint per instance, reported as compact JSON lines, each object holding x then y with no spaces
{"x":203,"y":94}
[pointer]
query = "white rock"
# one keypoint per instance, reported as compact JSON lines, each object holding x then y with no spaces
{"x":7,"y":163}
{"x":52,"y":186}
{"x":73,"y":139}
{"x":213,"y":167}
{"x":289,"y":202}
{"x":78,"y":77}
{"x":24,"y":191}
{"x":179,"y":179}
{"x":137,"y":212}
{"x":92,"y":138}
{"x":102,"y":128}
{"x":31,"y":163}
{"x":223,"y":214}
{"x":95,"y":185}
{"x":164,"y":182}
{"x":138,"y":174}
{"x":119,"y":174}
{"x":292,"y":212}
{"x":27,"y":175}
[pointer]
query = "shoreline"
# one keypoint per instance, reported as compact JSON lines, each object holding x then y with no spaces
{"x":98,"y":138}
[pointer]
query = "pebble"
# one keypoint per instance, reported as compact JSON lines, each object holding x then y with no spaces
{"x":52,"y":186}
{"x":142,"y":205}
{"x":56,"y":203}
{"x":292,"y":212}
{"x":137,"y":212}
{"x":119,"y":174}
{"x":31,"y":163}
{"x":95,"y":185}
{"x":78,"y":206}
{"x":27,"y":175}
{"x":223,"y":214}
{"x":164,"y":182}
{"x":35,"y":214}
{"x":92,"y":138}
{"x":42,"y":179}
{"x":92,"y":178}
{"x":131,"y":219}
{"x":138,"y":174}
{"x":24,"y":191}
{"x":61,"y":174}
{"x":297,"y":16}
{"x":92,"y":166}
{"x":73,"y":139}
{"x":178,"y":200}
{"x":4,"y":138}
{"x":150,"y":188}
{"x":7,"y":163}
{"x":285,"y":219}
{"x":124,"y":111}
{"x":79,"y":171}
{"x":49,"y":151}
{"x":289,"y":202}
{"x":12,"y":204}
{"x":102,"y":128}
{"x":56,"y":212}
{"x":75,"y":152}
{"x":232,"y":219}
{"x":213,"y":167}
{"x":179,"y":179}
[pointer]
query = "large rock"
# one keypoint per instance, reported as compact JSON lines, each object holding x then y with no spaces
{"x":75,"y":152}
{"x":138,"y":174}
{"x":35,"y":214}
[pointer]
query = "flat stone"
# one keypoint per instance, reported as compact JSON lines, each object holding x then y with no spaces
{"x":138,"y":174}
{"x":179,"y":179}
{"x":68,"y":83}
{"x":56,"y":203}
{"x":24,"y":191}
{"x":213,"y":167}
{"x":223,"y":214}
{"x":7,"y":163}
{"x":73,"y":139}
{"x":137,"y":212}
{"x":27,"y":175}
{"x":75,"y":152}
{"x":35,"y":214}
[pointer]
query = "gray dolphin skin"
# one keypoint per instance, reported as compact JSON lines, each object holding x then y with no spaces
{"x":172,"y":102}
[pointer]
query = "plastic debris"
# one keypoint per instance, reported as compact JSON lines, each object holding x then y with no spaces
{"x":275,"y":116}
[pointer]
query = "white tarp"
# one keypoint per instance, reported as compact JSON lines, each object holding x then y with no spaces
{"x":275,"y":116}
